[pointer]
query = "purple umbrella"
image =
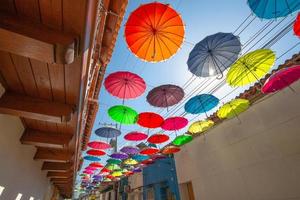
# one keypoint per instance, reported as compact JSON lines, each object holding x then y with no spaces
{"x":119,"y":155}
{"x":130,"y":150}
{"x":165,"y":96}
{"x":136,"y":170}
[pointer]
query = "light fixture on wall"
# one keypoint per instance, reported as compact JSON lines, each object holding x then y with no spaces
{"x":31,"y":198}
{"x":1,"y":189}
{"x":19,"y":196}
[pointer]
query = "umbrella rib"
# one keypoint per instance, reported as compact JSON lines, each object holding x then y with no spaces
{"x":162,"y":53}
{"x":163,"y":27}
{"x":170,"y":40}
{"x":165,"y":44}
{"x":162,"y":15}
{"x":140,"y":39}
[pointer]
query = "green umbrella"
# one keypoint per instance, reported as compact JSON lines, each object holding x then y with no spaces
{"x":114,"y":161}
{"x":182,"y":139}
{"x":123,"y":114}
{"x":113,"y":167}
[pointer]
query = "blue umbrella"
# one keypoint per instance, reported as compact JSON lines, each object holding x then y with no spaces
{"x":91,"y":158}
{"x":201,"y":103}
{"x":214,"y":54}
{"x":140,"y":157}
{"x":272,"y":9}
{"x":108,"y":132}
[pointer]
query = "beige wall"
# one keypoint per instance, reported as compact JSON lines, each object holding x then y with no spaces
{"x":19,"y":173}
{"x":258,"y":159}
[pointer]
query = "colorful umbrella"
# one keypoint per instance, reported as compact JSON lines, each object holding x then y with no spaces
{"x":174,"y":123}
{"x":250,"y":67}
{"x":94,"y":152}
{"x":273,"y":9}
{"x":182,"y":139}
{"x":170,"y":149}
{"x":140,"y":157}
{"x":96,"y":164}
{"x":150,"y":120}
{"x":130,"y":150}
{"x":123,"y":114}
{"x":88,"y":171}
{"x":114,"y":161}
{"x":165,"y":96}
{"x":117,"y":174}
{"x":233,"y":108}
{"x":149,"y":151}
{"x":148,"y":162}
{"x":201,"y":103}
{"x":125,"y":85}
{"x":107,"y":180}
{"x":137,"y":170}
{"x":200,"y":126}
{"x":214,"y":54}
{"x":105,"y":170}
{"x":108,"y":132}
{"x":135,"y":136}
{"x":297,"y":25}
{"x":119,"y":155}
{"x":90,"y":168}
{"x":158,"y":157}
{"x":154,"y":32}
{"x":281,"y":79}
{"x":130,"y":161}
{"x":158,"y":138}
{"x":91,"y":158}
{"x":113,"y":167}
{"x":99,"y":145}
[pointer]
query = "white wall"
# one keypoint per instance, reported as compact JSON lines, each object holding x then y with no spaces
{"x":258,"y":159}
{"x":19,"y":173}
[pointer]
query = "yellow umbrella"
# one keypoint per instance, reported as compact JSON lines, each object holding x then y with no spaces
{"x":233,"y":108}
{"x":117,"y":174}
{"x":200,"y":126}
{"x":250,"y":67}
{"x":130,"y":161}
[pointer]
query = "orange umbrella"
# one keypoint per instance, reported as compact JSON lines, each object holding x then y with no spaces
{"x":154,"y":32}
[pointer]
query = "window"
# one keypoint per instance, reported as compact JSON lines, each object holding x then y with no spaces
{"x":1,"y":189}
{"x":19,"y":196}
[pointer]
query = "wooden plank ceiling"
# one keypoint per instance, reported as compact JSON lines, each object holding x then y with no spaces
{"x":50,"y":51}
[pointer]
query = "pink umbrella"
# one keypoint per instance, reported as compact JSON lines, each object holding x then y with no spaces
{"x":88,"y":171}
{"x":281,"y":79}
{"x":174,"y":123}
{"x":99,"y":145}
{"x":135,"y":136}
{"x":125,"y":85}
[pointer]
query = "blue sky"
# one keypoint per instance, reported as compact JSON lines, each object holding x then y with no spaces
{"x":202,"y":18}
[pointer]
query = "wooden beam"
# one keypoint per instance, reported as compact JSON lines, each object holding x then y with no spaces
{"x":45,"y":139}
{"x":60,"y":174}
{"x":36,"y":41}
{"x":57,"y":166}
{"x":52,"y":155}
{"x":35,"y":108}
{"x":60,"y":180}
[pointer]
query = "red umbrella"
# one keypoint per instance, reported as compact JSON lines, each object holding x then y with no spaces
{"x":105,"y":170}
{"x":174,"y":123}
{"x":135,"y":136}
{"x":88,"y":171}
{"x":96,"y":164}
{"x":99,"y":145}
{"x":90,"y":168}
{"x":281,"y":79}
{"x":150,"y":120}
{"x":148,"y":162}
{"x":158,"y":138}
{"x":125,"y":85}
{"x":149,"y":151}
{"x":165,"y":96}
{"x":297,"y":25}
{"x":170,"y":150}
{"x":94,"y":152}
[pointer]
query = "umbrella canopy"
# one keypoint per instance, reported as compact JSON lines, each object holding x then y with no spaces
{"x":107,"y":132}
{"x":94,"y":152}
{"x":98,"y":145}
{"x":88,"y":171}
{"x":150,"y":120}
{"x":182,"y":139}
{"x":135,"y":136}
{"x":96,"y":164}
{"x":149,"y":151}
{"x":154,"y":32}
{"x":266,"y":9}
{"x":233,"y":108}
{"x":297,"y":25}
{"x":114,"y":161}
{"x":140,"y":157}
{"x":214,"y":54}
{"x":130,"y":150}
{"x":158,"y":138}
{"x":90,"y":168}
{"x":130,"y":161}
{"x":123,"y":114}
{"x":113,"y":167}
{"x":200,"y":126}
{"x":174,"y":123}
{"x":117,"y":174}
{"x":250,"y":67}
{"x":91,"y":158}
{"x":165,"y":96}
{"x":201,"y":103}
{"x":119,"y":155}
{"x":137,"y":170}
{"x":170,"y":149}
{"x":107,"y":180}
{"x":158,"y":157}
{"x":125,"y":85}
{"x":281,"y":79}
